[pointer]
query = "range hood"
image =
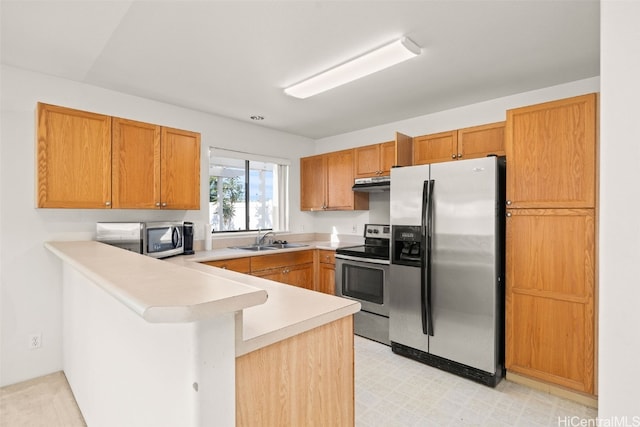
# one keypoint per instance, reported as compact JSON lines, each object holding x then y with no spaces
{"x":376,"y":184}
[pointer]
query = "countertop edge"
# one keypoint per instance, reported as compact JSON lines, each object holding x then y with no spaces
{"x":243,"y":296}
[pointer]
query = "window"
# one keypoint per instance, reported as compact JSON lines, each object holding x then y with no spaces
{"x":247,"y":192}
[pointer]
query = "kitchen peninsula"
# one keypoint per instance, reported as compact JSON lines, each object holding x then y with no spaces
{"x":151,"y":342}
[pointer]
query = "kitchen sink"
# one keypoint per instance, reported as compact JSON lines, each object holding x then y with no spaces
{"x":269,"y":247}
{"x":254,"y":247}
{"x":287,"y":245}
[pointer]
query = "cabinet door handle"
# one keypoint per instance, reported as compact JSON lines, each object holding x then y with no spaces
{"x":164,"y":204}
{"x":508,"y":214}
{"x":158,"y":204}
{"x":453,"y":156}
{"x":459,"y":155}
{"x":508,"y":202}
{"x":107,"y":203}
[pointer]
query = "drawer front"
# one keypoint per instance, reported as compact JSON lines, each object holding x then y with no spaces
{"x":326,"y":256}
{"x":242,"y":265}
{"x":264,"y":262}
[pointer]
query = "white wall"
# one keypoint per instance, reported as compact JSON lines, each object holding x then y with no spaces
{"x":30,"y":277}
{"x":619,"y":313}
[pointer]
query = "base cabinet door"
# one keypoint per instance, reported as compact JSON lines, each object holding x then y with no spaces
{"x":550,"y":280}
{"x":326,"y":272}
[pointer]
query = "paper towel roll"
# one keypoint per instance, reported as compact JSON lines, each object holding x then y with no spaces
{"x":207,"y":237}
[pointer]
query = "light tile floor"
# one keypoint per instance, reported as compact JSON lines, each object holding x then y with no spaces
{"x":392,"y":390}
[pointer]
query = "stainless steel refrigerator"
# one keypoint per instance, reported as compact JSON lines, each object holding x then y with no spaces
{"x":447,"y":266}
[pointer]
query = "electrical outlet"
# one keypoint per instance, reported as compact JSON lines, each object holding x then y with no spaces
{"x":35,"y":341}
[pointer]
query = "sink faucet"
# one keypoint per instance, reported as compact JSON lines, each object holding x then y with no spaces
{"x":260,"y":239}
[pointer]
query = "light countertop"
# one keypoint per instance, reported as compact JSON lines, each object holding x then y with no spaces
{"x":181,"y":289}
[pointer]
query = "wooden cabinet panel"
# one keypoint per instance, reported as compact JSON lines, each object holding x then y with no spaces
{"x":74,"y":158}
{"x":467,"y":143}
{"x":367,"y":160}
{"x":135,"y":164}
{"x":283,"y":259}
{"x":434,"y":148}
{"x":550,"y":277}
{"x":88,"y":160}
{"x":326,"y":181}
{"x":299,"y":275}
{"x":551,"y":150}
{"x":241,"y":265}
{"x":306,"y":380}
{"x":480,"y":141}
{"x":180,"y":169}
{"x":378,"y":159}
{"x":312,"y":183}
{"x":326,"y":272}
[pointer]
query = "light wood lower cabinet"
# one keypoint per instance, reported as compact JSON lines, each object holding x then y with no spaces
{"x":550,"y":277}
{"x":326,"y":271}
{"x":306,"y":380}
{"x":241,"y":265}
{"x":292,"y":268}
{"x":309,"y":269}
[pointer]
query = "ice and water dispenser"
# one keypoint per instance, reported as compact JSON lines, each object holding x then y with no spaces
{"x":406,"y":246}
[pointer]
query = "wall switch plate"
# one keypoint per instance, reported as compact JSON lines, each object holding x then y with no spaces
{"x":35,"y":341}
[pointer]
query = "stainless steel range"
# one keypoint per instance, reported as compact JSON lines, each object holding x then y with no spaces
{"x":362,"y":274}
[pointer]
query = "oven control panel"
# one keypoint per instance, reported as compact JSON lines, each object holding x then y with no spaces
{"x":377,"y":231}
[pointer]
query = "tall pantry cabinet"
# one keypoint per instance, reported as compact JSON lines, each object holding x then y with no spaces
{"x":550,"y":243}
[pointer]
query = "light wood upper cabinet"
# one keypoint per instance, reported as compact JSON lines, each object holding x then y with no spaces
{"x":435,"y":148}
{"x":481,"y":141}
{"x":551,"y":151}
{"x":180,"y":169}
{"x":136,"y":164}
{"x":467,"y":143}
{"x":378,"y":159}
{"x":326,"y":181}
{"x":550,"y":277}
{"x":74,"y":158}
{"x":313,"y":183}
{"x":88,"y":160}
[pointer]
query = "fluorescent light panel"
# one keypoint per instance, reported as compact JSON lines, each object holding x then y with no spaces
{"x":376,"y":60}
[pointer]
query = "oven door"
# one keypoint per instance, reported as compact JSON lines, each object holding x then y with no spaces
{"x":365,"y":281}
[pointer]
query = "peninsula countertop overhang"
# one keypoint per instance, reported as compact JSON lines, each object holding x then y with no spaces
{"x":182,"y":289}
{"x":158,"y":291}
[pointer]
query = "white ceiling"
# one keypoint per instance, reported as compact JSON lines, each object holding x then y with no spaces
{"x":233,"y":58}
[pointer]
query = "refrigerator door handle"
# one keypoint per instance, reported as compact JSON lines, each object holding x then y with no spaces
{"x":425,"y":249}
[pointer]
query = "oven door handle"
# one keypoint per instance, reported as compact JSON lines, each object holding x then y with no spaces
{"x":366,"y":260}
{"x":425,"y":265}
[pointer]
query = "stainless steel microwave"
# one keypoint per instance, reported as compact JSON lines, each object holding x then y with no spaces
{"x":155,"y":239}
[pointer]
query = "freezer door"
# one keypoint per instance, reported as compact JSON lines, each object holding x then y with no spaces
{"x":465,"y":268}
{"x":406,"y":194}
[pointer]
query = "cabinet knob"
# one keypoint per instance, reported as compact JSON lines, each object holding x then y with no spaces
{"x":508,"y":214}
{"x":158,"y":204}
{"x":164,"y":204}
{"x":459,"y":155}
{"x":508,"y":202}
{"x":107,"y":203}
{"x":453,"y":156}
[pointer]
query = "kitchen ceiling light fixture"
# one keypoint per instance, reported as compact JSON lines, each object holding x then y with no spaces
{"x":376,"y":60}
